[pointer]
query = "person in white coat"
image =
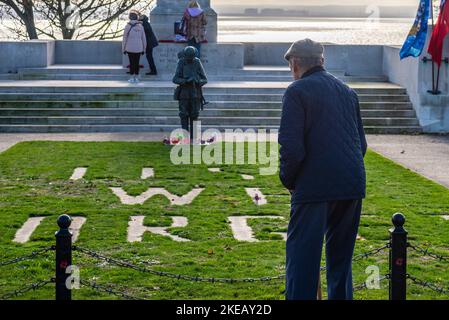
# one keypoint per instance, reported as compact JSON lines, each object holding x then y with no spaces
{"x":134,"y":44}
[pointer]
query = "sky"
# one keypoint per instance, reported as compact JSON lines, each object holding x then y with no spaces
{"x":318,"y":2}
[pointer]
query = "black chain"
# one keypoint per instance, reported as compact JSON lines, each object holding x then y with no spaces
{"x":366,"y":254}
{"x":372,"y":252}
{"x":425,"y":252}
{"x":102,"y":288}
{"x":426,"y":284}
{"x":25,"y":289}
{"x":127,"y":264}
{"x":364,"y":286}
{"x":26,"y":257}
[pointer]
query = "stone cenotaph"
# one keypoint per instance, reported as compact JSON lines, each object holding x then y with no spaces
{"x":166,"y":12}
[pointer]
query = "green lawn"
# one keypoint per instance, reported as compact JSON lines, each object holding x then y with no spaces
{"x":34,"y":181}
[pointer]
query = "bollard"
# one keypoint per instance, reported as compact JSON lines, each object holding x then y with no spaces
{"x":398,"y":259}
{"x":63,"y":257}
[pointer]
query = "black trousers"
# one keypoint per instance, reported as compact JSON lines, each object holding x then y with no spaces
{"x":150,"y":59}
{"x":134,"y":62}
{"x":189,"y":110}
{"x":338,"y":222}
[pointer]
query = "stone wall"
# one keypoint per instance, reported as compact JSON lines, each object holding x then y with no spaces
{"x":25,"y":54}
{"x":352,"y":59}
{"x":87,"y":52}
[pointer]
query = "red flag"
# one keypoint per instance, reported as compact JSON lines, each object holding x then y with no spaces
{"x":439,"y":32}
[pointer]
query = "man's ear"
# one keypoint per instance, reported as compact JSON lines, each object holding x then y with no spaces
{"x":295,"y":67}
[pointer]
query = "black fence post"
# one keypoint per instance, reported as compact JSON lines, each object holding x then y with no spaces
{"x":398,"y":259}
{"x":63,"y":257}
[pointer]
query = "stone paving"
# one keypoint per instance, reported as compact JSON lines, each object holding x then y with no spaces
{"x":78,"y":173}
{"x":136,"y":229}
{"x":427,"y":155}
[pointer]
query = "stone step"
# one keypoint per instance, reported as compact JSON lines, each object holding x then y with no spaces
{"x":9,"y":76}
{"x":174,"y":111}
{"x":91,"y":96}
{"x":156,"y":112}
{"x":114,"y":106}
{"x":169,"y":128}
{"x":137,"y":91}
{"x":209,"y":97}
{"x":165,"y":87}
{"x":222,"y":77}
{"x":254,"y":105}
{"x":124,"y":77}
{"x":117,"y":72}
{"x":116,"y":69}
{"x":165,"y":120}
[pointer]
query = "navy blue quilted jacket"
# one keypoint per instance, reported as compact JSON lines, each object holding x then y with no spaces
{"x":322,"y":141}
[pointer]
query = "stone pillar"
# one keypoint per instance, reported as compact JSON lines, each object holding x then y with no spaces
{"x":166,"y":12}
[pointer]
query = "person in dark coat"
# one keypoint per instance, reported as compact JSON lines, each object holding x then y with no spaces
{"x":152,"y":43}
{"x":322,"y":146}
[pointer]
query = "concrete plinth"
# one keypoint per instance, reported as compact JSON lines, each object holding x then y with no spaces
{"x":166,"y":12}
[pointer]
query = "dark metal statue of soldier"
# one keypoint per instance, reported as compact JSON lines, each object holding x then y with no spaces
{"x":190,"y":78}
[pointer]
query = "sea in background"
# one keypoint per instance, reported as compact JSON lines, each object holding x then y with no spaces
{"x":383,"y":31}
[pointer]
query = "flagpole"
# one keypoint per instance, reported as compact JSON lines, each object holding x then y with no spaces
{"x":433,"y":65}
{"x":438,"y":81}
{"x":439,"y":66}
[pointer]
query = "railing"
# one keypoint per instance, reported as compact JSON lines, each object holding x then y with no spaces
{"x":63,"y":248}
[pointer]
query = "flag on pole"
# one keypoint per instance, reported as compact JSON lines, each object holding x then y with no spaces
{"x":439,"y":33}
{"x":416,"y":39}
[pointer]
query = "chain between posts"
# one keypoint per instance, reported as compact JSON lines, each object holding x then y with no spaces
{"x":105,"y":289}
{"x":25,"y":289}
{"x":427,"y":284}
{"x":27,"y":257}
{"x":127,"y":264}
{"x":372,"y":252}
{"x":364,"y":286}
{"x":425,"y":252}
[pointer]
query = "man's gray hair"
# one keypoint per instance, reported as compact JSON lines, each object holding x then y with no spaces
{"x":306,"y":53}
{"x":307,"y":62}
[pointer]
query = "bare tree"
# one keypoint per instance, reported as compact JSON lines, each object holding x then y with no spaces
{"x":71,"y":19}
{"x":21,"y":14}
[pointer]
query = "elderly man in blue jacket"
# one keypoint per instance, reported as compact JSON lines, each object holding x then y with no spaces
{"x":322,"y":146}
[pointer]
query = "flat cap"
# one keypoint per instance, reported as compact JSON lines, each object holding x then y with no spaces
{"x":305,"y":48}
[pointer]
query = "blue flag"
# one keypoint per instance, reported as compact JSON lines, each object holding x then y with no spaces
{"x":416,"y":39}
